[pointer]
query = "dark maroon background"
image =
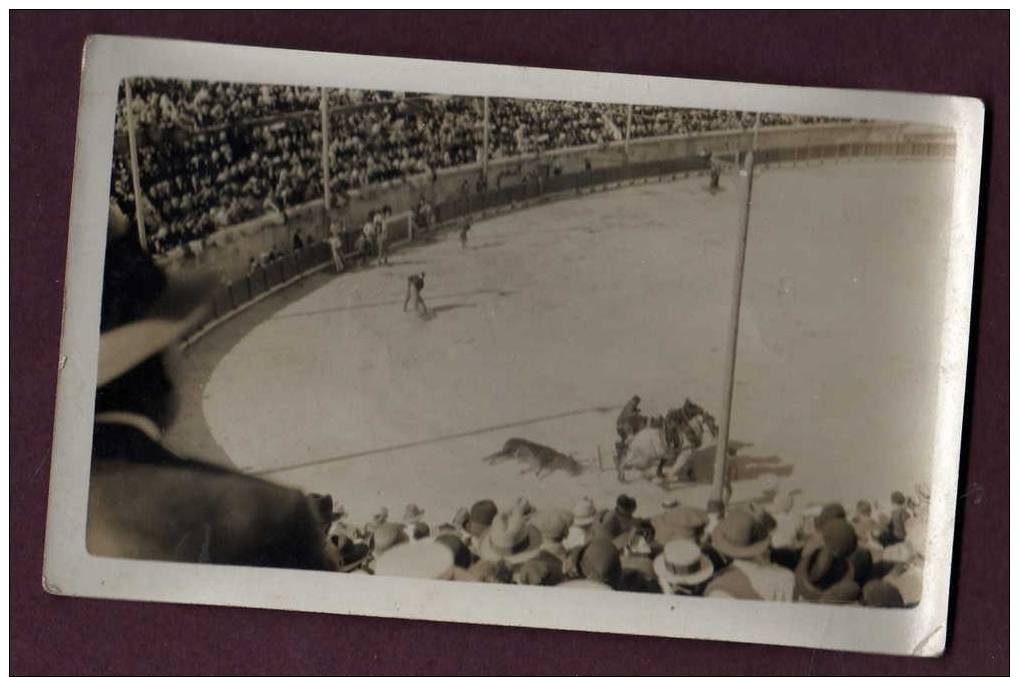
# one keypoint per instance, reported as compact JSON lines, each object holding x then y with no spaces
{"x":949,"y":53}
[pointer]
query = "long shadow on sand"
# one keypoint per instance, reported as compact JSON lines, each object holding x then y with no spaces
{"x":438,"y":310}
{"x":432,"y":440}
{"x":394,"y":302}
{"x":745,"y":466}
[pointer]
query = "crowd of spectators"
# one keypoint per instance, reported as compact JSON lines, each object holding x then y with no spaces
{"x":217,"y":153}
{"x":521,"y":126}
{"x":648,"y":121}
{"x":771,"y":548}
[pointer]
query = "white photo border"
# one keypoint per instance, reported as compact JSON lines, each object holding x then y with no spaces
{"x":70,"y":570}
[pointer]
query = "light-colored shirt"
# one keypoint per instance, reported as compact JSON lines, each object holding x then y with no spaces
{"x":576,"y":537}
{"x":747,"y":579}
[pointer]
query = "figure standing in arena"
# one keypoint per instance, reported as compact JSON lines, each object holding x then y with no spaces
{"x":464,"y":228}
{"x":415,"y":283}
{"x":368,"y":230}
{"x":716,"y":174}
{"x":381,"y":228}
{"x":336,"y":246}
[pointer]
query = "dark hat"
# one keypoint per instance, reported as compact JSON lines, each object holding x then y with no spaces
{"x":481,"y":516}
{"x":351,"y":554}
{"x":882,"y":594}
{"x":741,"y":536}
{"x":830,"y":511}
{"x":839,"y":537}
{"x":461,"y":554}
{"x":898,"y":498}
{"x":144,"y":309}
{"x":863,"y":563}
{"x":600,"y":562}
{"x":626,"y":505}
{"x":420,"y":530}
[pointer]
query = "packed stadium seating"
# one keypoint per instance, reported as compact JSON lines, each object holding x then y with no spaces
{"x":212,"y":154}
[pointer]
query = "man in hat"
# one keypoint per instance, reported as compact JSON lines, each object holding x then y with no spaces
{"x":479,"y":521}
{"x":825,"y":572}
{"x":597,"y":561}
{"x":629,"y":420}
{"x":584,"y":517}
{"x":145,"y":501}
{"x":626,"y":506}
{"x":510,"y":539}
{"x":637,"y":559}
{"x":336,"y":246}
{"x":751,"y":574}
{"x":682,"y":568}
{"x":554,"y":526}
{"x":413,"y":525}
{"x":896,"y":531}
{"x":416,"y":283}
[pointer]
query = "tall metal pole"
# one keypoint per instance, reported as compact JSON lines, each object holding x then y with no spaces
{"x":716,"y":502}
{"x":135,"y":180}
{"x":484,"y":141}
{"x":324,"y":105}
{"x":629,"y":125}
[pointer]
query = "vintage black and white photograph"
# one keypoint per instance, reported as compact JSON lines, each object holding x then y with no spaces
{"x":702,"y":358}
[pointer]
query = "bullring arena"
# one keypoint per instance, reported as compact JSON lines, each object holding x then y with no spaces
{"x":558,"y":313}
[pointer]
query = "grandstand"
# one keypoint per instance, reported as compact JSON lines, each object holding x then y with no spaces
{"x":211,"y":155}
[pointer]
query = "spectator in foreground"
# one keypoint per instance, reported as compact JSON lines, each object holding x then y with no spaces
{"x":146,"y":502}
{"x":751,"y":574}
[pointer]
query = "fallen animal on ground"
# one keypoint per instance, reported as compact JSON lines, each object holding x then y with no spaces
{"x":536,"y":457}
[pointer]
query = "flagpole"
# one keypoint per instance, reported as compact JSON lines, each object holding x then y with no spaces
{"x":132,"y":145}
{"x":716,"y":502}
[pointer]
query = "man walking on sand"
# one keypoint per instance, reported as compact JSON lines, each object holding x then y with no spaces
{"x":415,"y":283}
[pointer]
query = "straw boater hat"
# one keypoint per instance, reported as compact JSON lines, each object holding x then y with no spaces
{"x":510,"y":539}
{"x":683,"y":563}
{"x":420,"y":559}
{"x":740,"y":536}
{"x":145,"y":309}
{"x":584,"y":513}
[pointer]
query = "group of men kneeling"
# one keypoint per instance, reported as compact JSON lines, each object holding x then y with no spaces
{"x":661,"y":447}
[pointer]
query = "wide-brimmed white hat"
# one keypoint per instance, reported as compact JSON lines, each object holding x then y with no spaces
{"x":683,"y":563}
{"x":510,"y":539}
{"x":145,"y":308}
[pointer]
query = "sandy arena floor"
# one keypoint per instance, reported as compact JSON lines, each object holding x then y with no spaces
{"x":556,"y":315}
